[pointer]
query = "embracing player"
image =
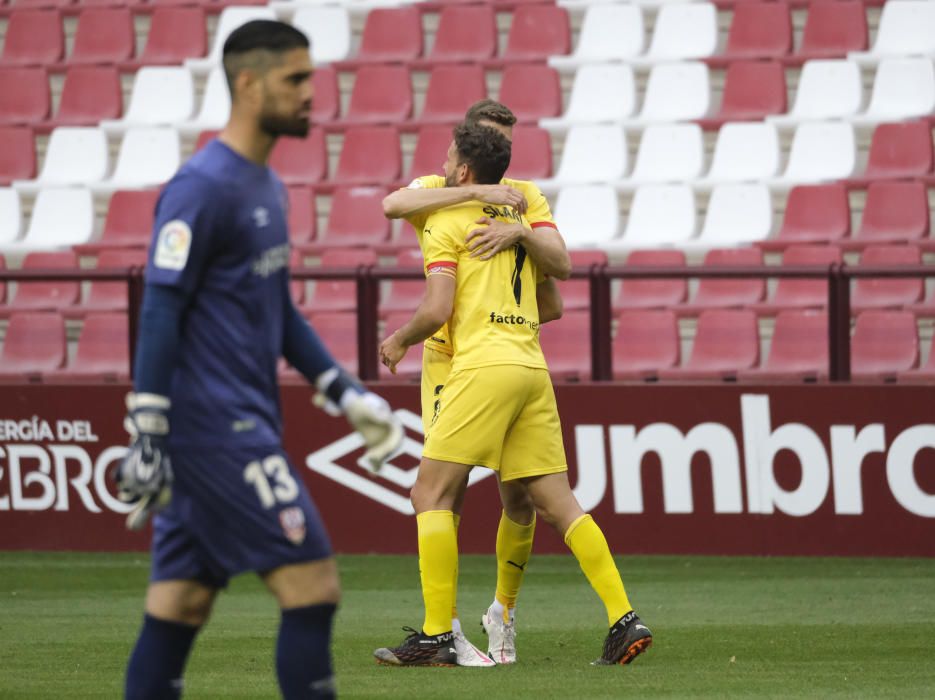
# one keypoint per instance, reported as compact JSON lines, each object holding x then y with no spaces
{"x":496,"y":410}
{"x":216,"y":318}
{"x":540,"y":238}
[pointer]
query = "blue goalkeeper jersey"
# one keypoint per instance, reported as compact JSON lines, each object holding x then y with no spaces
{"x":220,"y":237}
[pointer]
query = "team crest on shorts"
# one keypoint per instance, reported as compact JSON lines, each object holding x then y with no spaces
{"x":292,"y":520}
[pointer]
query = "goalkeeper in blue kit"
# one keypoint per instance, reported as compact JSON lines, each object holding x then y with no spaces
{"x":206,"y":454}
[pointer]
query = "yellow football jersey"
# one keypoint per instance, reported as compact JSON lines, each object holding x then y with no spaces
{"x":495,"y":320}
{"x":538,"y":213}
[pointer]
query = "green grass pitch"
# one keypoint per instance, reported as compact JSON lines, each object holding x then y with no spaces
{"x":739,"y":627}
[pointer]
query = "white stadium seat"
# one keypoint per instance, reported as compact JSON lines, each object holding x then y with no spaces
{"x":148,"y":156}
{"x":820,"y":151}
{"x":744,"y":152}
{"x":737,"y":214}
{"x":675,"y":92}
{"x":907,"y":28}
{"x":328,"y":28}
{"x":161,"y":95}
{"x":591,"y":154}
{"x":683,"y":31}
{"x":215,"y":106}
{"x":608,"y":33}
{"x":61,"y":217}
{"x":601,"y":93}
{"x":11,"y":216}
{"x":587,"y":215}
{"x":828,"y":89}
{"x":903,"y":88}
{"x":660,"y":215}
{"x":76,"y":155}
{"x":667,"y":153}
{"x":229,"y":19}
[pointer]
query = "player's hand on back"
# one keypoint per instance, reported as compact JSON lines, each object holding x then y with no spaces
{"x":493,"y":237}
{"x":144,"y":478}
{"x":501,"y":195}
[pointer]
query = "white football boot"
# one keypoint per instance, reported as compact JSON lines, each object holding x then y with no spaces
{"x":470,"y":655}
{"x":501,"y":638}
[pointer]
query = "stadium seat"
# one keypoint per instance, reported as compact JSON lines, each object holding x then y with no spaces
{"x":907,"y":27}
{"x":566,"y":344}
{"x":532,"y":154}
{"x":403,"y":295}
{"x":75,"y":155}
{"x":105,"y":35}
{"x":876,"y":293}
{"x":301,"y":161}
{"x":737,"y":214}
{"x":381,"y":95}
{"x":24,"y":95}
{"x":466,"y":34}
{"x":161,"y":95}
{"x":46,"y":296}
{"x":103,"y":353}
{"x":327,"y":101}
{"x":303,"y":216}
{"x":898,"y":151}
{"x":758,"y":30}
{"x":430,"y":152}
{"x":715,"y":293}
{"x":149,"y":155}
{"x":894,"y":212}
{"x":451,"y":90}
{"x":593,"y":153}
{"x":576,"y":293}
{"x":689,"y":80}
{"x":904,"y":88}
{"x":682,"y":32}
{"x":828,"y":89}
{"x":536,"y":33}
{"x":926,"y":373}
{"x":659,"y":215}
{"x":753,"y":90}
{"x":820,"y":151}
{"x":587,"y":215}
{"x":215,"y":105}
{"x":11,"y":216}
{"x":532,"y":91}
{"x":798,"y":350}
{"x":603,"y":92}
{"x":667,"y":153}
{"x":813,"y":214}
{"x":793,"y":293}
{"x":3,"y":284}
{"x":17,"y":154}
{"x":175,"y":33}
{"x":61,"y":217}
{"x":390,"y":35}
{"x":646,"y":342}
{"x":356,"y":218}
{"x":832,"y":29}
{"x":339,"y":295}
{"x":110,"y":296}
{"x":652,"y":293}
{"x":369,"y":156}
{"x":328,"y":28}
{"x":90,"y":94}
{"x":33,"y":38}
{"x":726,"y":342}
{"x":229,"y":19}
{"x":34,"y":343}
{"x":884,"y":343}
{"x":411,"y":365}
{"x":128,"y":224}
{"x":744,"y":152}
{"x":338,"y":331}
{"x":612,"y":32}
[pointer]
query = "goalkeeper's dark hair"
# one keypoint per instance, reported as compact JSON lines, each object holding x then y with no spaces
{"x":484,"y":150}
{"x":490,"y":111}
{"x":258,"y":45}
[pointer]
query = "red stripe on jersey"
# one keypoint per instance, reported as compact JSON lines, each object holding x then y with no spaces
{"x":540,"y":224}
{"x":441,"y":266}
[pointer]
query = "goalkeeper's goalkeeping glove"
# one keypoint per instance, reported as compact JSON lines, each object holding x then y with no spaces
{"x":340,"y":393}
{"x":144,"y":478}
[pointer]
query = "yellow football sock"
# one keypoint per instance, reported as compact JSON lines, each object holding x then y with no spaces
{"x":514,"y":544}
{"x":454,"y":587}
{"x":438,"y":559}
{"x":586,"y":541}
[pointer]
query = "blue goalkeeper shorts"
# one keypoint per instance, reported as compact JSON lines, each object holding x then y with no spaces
{"x":234,"y":511}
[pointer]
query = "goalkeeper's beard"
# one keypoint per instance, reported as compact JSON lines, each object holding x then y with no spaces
{"x":276,"y":125}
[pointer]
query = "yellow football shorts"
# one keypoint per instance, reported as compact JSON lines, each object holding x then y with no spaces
{"x":503,"y":417}
{"x":436,"y":366}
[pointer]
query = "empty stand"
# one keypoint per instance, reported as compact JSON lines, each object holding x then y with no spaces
{"x":466,"y":33}
{"x":175,"y":33}
{"x":725,"y":293}
{"x":74,"y":156}
{"x":339,"y":295}
{"x":828,"y":89}
{"x":813,"y":214}
{"x":660,"y":215}
{"x":592,"y":154}
{"x":603,"y":92}
{"x":369,"y":156}
{"x":229,"y":19}
{"x":689,"y":80}
{"x":652,"y":293}
{"x":328,"y":29}
{"x":587,"y":215}
{"x":576,"y":293}
{"x":537,"y":32}
{"x":301,"y":161}
{"x":903,"y":88}
{"x":338,"y":332}
{"x":33,"y":38}
{"x":884,"y":343}
{"x":737,"y":213}
{"x":566,"y":345}
{"x":24,"y":95}
{"x":403,"y":295}
{"x":832,"y":29}
{"x":646,"y":342}
{"x":129,"y":221}
{"x":390,"y":35}
{"x":726,"y":342}
{"x":758,"y":30}
{"x":753,"y":90}
{"x":894,"y":212}
{"x":44,"y":296}
{"x":907,"y":27}
{"x":875,"y":293}
{"x":381,"y":95}
{"x":215,"y":105}
{"x":898,"y":151}
{"x":792,"y":293}
{"x":531,"y":157}
{"x":102,"y":353}
{"x":161,"y":95}
{"x":105,"y":35}
{"x":451,"y":90}
{"x":149,"y":155}
{"x":612,"y":32}
{"x":356,"y":218}
{"x":17,"y":154}
{"x":745,"y":151}
{"x":34,"y":343}
{"x":532,"y":91}
{"x":327,"y":101}
{"x":303,"y":217}
{"x":90,"y":94}
{"x":682,"y":32}
{"x":61,"y":217}
{"x":430,"y":152}
{"x":820,"y":151}
{"x":11,"y":217}
{"x":667,"y":153}
{"x":798,"y":350}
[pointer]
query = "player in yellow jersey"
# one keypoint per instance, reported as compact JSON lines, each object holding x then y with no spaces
{"x":539,"y":236}
{"x":497,"y":410}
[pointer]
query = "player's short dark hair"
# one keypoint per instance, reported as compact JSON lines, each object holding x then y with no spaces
{"x":491,"y":111}
{"x":484,"y":150}
{"x":256,"y":44}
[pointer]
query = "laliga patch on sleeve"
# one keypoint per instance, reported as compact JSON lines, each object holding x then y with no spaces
{"x":173,"y":245}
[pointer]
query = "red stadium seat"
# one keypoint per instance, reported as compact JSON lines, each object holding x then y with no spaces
{"x":175,"y":33}
{"x":327,"y":101}
{"x":898,"y":151}
{"x":17,"y":154}
{"x":34,"y":344}
{"x":338,"y":331}
{"x":875,"y":293}
{"x":799,"y":348}
{"x":411,"y":365}
{"x":356,"y":218}
{"x":104,"y":35}
{"x":466,"y":33}
{"x":129,"y":222}
{"x":391,"y":35}
{"x":566,"y":344}
{"x":90,"y":95}
{"x":404,"y":295}
{"x":339,"y":295}
{"x":110,"y":296}
{"x":300,"y":161}
{"x":206,"y":136}
{"x":46,"y":295}
{"x":103,"y":351}
{"x":791,"y":293}
{"x":303,"y":216}
{"x":884,"y":344}
{"x":576,"y":293}
{"x":646,"y":342}
{"x":381,"y":95}
{"x":451,"y":90}
{"x":752,"y":90}
{"x":2,"y":284}
{"x":894,"y":212}
{"x":430,"y":152}
{"x":537,"y":32}
{"x":41,"y":4}
{"x":532,"y":153}
{"x":652,"y":293}
{"x":24,"y":95}
{"x":758,"y":30}
{"x":814,"y":214}
{"x":723,"y":293}
{"x":369,"y":156}
{"x":532,"y":91}
{"x":923,"y":374}
{"x":726,"y":342}
{"x":832,"y":29}
{"x":33,"y":38}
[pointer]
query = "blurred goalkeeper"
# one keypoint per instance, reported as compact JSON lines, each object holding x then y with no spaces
{"x":205,"y":415}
